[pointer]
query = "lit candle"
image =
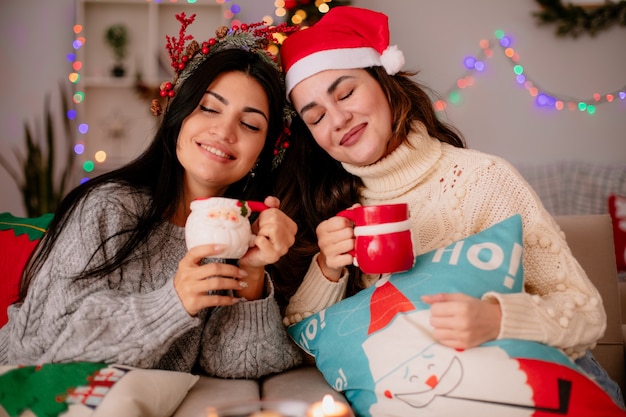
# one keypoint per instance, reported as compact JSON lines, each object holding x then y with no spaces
{"x":328,"y":407}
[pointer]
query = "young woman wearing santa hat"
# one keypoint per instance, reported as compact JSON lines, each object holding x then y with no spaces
{"x":367,"y":133}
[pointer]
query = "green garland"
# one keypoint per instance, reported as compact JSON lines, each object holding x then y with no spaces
{"x":574,"y":20}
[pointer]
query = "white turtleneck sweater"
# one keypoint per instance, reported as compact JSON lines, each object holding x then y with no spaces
{"x":453,"y":193}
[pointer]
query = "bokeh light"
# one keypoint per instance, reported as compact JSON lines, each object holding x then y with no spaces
{"x":440,"y":105}
{"x":100,"y":156}
{"x":469,"y":62}
{"x":454,"y":97}
{"x":88,"y":166}
{"x":78,"y":97}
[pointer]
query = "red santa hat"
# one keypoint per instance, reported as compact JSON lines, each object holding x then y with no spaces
{"x":345,"y":38}
{"x":387,"y":301}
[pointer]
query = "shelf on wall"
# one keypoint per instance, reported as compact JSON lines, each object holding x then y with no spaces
{"x":119,"y":119}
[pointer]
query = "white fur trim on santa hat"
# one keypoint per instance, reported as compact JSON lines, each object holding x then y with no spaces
{"x":331,"y":59}
{"x":392,"y":59}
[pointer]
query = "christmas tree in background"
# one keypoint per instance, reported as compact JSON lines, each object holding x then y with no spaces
{"x":308,"y":12}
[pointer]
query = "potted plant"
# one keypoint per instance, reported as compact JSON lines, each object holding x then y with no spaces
{"x":38,"y":178}
{"x":116,"y":36}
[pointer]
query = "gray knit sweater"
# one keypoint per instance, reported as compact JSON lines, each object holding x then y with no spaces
{"x":134,"y":316}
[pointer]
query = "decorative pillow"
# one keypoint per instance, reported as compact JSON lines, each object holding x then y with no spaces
{"x":377,"y":346}
{"x":617,"y":210}
{"x":85,"y":389}
{"x":18,"y":237}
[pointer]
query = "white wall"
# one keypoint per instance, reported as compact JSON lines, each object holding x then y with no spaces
{"x":35,"y":37}
{"x":495,"y":115}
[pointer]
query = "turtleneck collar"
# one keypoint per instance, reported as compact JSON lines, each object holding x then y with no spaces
{"x":404,"y":167}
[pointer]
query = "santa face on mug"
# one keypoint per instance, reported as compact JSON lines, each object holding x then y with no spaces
{"x":219,"y":220}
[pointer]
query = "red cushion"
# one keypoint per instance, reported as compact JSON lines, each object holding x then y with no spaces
{"x":18,"y":238}
{"x":617,"y":209}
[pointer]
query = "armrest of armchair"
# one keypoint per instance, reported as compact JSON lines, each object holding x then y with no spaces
{"x":590,"y":237}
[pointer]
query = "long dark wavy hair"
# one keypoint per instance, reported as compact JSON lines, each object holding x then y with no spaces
{"x":157,"y":170}
{"x":313,"y":186}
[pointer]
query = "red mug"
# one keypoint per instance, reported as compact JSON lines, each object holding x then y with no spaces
{"x":383,"y":238}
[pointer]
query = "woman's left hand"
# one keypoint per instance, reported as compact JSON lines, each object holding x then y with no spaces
{"x":461,"y":321}
{"x":275,"y":234}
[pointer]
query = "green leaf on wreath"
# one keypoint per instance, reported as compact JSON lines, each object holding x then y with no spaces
{"x":574,"y":20}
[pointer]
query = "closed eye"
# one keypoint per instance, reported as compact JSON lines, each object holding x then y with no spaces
{"x":347,"y":95}
{"x":207,"y":109}
{"x":319,"y":119}
{"x":249,"y":126}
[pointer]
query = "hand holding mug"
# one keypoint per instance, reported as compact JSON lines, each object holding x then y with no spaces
{"x":273,"y":234}
{"x":224,"y":222}
{"x":335,"y":238}
{"x":195,"y":291}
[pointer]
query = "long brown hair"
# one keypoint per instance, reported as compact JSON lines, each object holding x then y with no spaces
{"x":409,"y":102}
{"x":313,"y":187}
{"x":158,"y":171}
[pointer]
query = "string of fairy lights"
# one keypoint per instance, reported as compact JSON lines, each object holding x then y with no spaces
{"x":473,"y":64}
{"x":82,"y":128}
{"x":542,"y":97}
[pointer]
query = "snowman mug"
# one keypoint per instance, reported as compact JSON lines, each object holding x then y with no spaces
{"x":383,"y":238}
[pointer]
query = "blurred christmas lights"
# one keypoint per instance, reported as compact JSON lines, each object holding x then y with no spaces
{"x":542,"y":97}
{"x":473,"y":64}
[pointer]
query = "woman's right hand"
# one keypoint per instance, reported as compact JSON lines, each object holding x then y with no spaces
{"x":335,"y":237}
{"x":194,"y":280}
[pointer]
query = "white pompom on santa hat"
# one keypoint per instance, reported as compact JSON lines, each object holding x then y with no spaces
{"x":345,"y":38}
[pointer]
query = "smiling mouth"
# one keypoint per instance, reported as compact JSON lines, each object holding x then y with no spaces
{"x":349,"y":137}
{"x":215,"y":151}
